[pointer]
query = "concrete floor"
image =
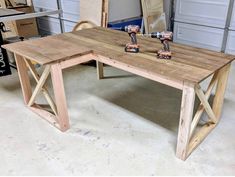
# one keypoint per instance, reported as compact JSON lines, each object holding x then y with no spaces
{"x":123,"y":125}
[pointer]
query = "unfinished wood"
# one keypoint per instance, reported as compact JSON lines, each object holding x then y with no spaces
{"x":60,"y":99}
{"x":49,"y":49}
{"x":199,"y":137}
{"x":201,"y":108}
{"x":186,"y":114}
{"x":76,"y":61}
{"x":153,"y":15}
{"x":24,"y":78}
{"x":203,"y":132}
{"x":44,"y":89}
{"x":205,"y":103}
{"x":139,"y":72}
{"x":100,"y":70}
{"x":105,"y":12}
{"x":40,"y":84}
{"x":187,"y":63}
{"x":45,"y":115}
{"x":188,"y":67}
{"x":169,"y":68}
{"x":91,"y":10}
{"x":197,"y":53}
{"x":220,"y":90}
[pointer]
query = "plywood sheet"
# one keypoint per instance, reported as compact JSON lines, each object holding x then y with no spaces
{"x":91,"y":10}
{"x":154,"y":17}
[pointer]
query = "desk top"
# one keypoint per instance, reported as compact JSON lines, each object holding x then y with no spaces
{"x":9,"y":12}
{"x":187,"y":63}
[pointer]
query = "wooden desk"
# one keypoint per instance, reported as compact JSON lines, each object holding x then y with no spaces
{"x":187,"y":69}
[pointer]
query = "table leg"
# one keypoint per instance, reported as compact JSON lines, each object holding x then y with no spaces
{"x":60,"y":99}
{"x":24,"y":78}
{"x":100,"y":70}
{"x":188,"y":138}
{"x":186,"y":115}
{"x":220,"y":91}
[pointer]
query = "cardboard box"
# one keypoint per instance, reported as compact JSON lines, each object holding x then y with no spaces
{"x":24,"y":28}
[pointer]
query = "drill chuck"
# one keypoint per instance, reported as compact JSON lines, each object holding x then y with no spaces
{"x":160,"y":35}
{"x":157,"y":35}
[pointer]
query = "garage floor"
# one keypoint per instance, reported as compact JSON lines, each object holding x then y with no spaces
{"x":122,"y":125}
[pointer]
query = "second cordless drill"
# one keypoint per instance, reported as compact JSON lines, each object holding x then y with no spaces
{"x":164,"y":37}
{"x":132,"y":30}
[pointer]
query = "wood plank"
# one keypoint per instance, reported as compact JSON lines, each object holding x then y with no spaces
{"x":201,"y":108}
{"x":140,"y":72}
{"x":220,"y":91}
{"x":100,"y":70}
{"x":47,"y":50}
{"x":188,"y":50}
{"x":200,"y":136}
{"x":24,"y":78}
{"x":205,"y":103}
{"x":60,"y":99}
{"x":153,"y":15}
{"x":119,"y":39}
{"x":136,"y":62}
{"x":170,"y":68}
{"x":105,"y":13}
{"x":45,"y":115}
{"x":194,"y":66}
{"x":151,"y":45}
{"x":44,"y":89}
{"x":40,"y":84}
{"x":91,"y":10}
{"x":76,"y":61}
{"x":186,"y":115}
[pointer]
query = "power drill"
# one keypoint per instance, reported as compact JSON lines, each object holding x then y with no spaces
{"x":164,"y":37}
{"x":132,"y":30}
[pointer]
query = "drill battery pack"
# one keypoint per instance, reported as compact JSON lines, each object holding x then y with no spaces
{"x":132,"y":48}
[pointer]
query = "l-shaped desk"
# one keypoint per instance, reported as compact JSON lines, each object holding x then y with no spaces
{"x":188,"y":67}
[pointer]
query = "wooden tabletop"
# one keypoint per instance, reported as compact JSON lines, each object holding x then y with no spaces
{"x":187,"y":63}
{"x":9,"y":12}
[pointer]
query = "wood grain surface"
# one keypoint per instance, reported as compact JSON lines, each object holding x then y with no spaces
{"x":187,"y":63}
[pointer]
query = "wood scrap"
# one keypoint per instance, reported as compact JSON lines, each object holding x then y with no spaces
{"x":153,"y":15}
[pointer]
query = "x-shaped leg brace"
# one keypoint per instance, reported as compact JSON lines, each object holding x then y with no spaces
{"x":189,"y":137}
{"x":58,"y":116}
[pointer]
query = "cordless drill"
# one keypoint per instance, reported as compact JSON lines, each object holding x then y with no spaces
{"x":164,"y":37}
{"x":132,"y":30}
